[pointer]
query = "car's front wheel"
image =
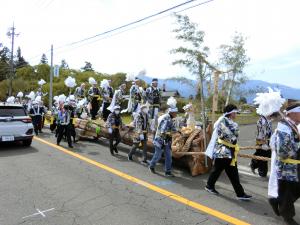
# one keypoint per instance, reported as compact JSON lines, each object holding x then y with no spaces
{"x":27,"y":142}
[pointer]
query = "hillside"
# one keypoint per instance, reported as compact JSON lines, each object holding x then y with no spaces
{"x":249,"y":87}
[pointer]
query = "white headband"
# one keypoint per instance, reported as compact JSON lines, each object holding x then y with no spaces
{"x":233,"y":111}
{"x":296,"y":109}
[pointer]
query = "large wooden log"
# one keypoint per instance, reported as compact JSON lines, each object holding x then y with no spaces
{"x":187,"y":141}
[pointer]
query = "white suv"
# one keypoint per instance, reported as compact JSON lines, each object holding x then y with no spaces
{"x":15,"y":124}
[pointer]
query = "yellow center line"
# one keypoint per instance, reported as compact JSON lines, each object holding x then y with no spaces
{"x":152,"y":187}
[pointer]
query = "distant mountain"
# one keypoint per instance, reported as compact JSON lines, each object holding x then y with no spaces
{"x":249,"y":89}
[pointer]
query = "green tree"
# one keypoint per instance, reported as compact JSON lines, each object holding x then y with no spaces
{"x":44,"y":59}
{"x":4,"y":63}
{"x":234,"y":57}
{"x":194,"y":52}
{"x":20,"y":61}
{"x":87,"y":67}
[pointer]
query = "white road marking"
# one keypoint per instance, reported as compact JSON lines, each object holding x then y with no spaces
{"x":42,"y":213}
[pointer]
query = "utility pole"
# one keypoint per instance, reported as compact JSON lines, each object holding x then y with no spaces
{"x":51,"y":80}
{"x":11,"y":33}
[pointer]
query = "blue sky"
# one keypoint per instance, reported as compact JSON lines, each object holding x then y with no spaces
{"x":273,"y":42}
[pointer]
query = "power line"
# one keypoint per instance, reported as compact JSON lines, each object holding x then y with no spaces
{"x":128,"y":25}
{"x":132,"y":28}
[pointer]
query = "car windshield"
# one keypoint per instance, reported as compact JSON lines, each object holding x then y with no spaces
{"x":12,"y":111}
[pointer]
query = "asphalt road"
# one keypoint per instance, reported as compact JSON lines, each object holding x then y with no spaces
{"x":44,"y":185}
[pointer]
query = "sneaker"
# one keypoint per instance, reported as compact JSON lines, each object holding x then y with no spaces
{"x":152,"y":170}
{"x":212,"y":190}
{"x":245,"y":197}
{"x":169,"y":174}
{"x":129,"y":158}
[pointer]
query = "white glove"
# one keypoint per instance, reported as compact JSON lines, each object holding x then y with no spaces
{"x":265,"y":147}
{"x":142,"y":137}
{"x":110,"y":130}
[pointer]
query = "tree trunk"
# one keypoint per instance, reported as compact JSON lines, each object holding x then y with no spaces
{"x":215,"y":97}
{"x":230,"y":89}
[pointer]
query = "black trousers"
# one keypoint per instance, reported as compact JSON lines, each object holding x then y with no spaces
{"x":231,"y":171}
{"x":61,"y":130}
{"x":136,"y":145}
{"x":105,"y":111}
{"x":95,"y":108}
{"x":114,"y":136}
{"x":288,"y":193}
{"x":37,"y":123}
{"x":262,"y":166}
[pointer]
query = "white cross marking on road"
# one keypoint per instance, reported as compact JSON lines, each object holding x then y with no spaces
{"x":42,"y":213}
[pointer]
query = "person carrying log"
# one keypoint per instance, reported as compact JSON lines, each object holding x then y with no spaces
{"x":114,"y":124}
{"x":153,"y":97}
{"x":94,"y":97}
{"x":284,"y":182}
{"x":268,"y":111}
{"x":72,"y":110}
{"x":107,"y":93}
{"x":141,"y":127}
{"x":163,"y":138}
{"x":118,"y":97}
{"x":36,"y":113}
{"x":64,"y":118}
{"x":223,"y":148}
{"x":80,"y":92}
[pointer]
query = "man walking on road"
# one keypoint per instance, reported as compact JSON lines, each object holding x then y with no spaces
{"x":287,"y":149}
{"x":224,"y":152}
{"x":163,"y":138}
{"x":141,"y":125}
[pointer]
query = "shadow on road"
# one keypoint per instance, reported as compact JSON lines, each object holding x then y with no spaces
{"x":13,"y":149}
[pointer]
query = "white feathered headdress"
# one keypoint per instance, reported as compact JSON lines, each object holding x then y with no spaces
{"x":20,"y":95}
{"x":130,"y":77}
{"x":38,"y":99}
{"x":62,"y":98}
{"x":104,"y":83}
{"x":31,"y":95}
{"x":92,"y":81}
{"x":172,"y":104}
{"x":10,"y":99}
{"x":269,"y":102}
{"x":55,"y":98}
{"x":70,"y":82}
{"x":41,"y":82}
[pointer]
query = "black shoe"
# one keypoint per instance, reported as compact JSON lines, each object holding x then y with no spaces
{"x":71,"y":146}
{"x":290,"y":221}
{"x":152,"y":170}
{"x":129,"y":158}
{"x":57,"y":143}
{"x":169,"y":174}
{"x":244,"y":197}
{"x":252,"y":168}
{"x":116,"y":150}
{"x":212,"y":190}
{"x":144,"y":163}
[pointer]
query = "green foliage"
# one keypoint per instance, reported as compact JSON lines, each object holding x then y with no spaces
{"x":20,"y":61}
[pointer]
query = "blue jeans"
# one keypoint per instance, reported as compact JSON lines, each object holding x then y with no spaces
{"x":168,"y":157}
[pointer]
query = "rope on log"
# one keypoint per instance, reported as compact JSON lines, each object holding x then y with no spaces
{"x":240,"y":155}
